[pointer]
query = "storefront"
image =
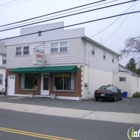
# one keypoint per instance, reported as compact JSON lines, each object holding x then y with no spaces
{"x":44,"y":81}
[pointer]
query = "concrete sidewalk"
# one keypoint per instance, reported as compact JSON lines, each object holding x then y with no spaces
{"x":74,"y":113}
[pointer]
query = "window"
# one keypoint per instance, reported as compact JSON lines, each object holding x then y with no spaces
{"x":1,"y":79}
{"x":39,"y":33}
{"x":28,"y":81}
{"x":63,"y":47}
{"x":122,"y":79}
{"x":63,"y":81}
{"x":93,"y":50}
{"x":22,"y":50}
{"x":3,"y":59}
{"x":113,"y":59}
{"x":25,"y":50}
{"x":59,"y":47}
{"x":18,"y":50}
{"x":104,"y":55}
{"x":54,"y":47}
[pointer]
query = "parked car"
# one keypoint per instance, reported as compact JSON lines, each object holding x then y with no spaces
{"x":107,"y":92}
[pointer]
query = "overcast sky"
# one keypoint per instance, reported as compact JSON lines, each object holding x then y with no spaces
{"x":18,"y":10}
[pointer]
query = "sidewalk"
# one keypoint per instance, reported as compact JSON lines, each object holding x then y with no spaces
{"x":74,"y":113}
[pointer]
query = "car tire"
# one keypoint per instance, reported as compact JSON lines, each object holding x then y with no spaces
{"x":97,"y":99}
{"x":121,"y":97}
{"x":115,"y":98}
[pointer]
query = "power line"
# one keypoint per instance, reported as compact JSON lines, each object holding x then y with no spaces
{"x":7,"y":3}
{"x":68,"y":15}
{"x":53,"y":13}
{"x":111,"y":23}
{"x":120,"y":25}
{"x":75,"y":24}
{"x":64,"y":13}
{"x":18,"y":2}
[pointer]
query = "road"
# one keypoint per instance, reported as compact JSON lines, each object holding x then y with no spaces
{"x":16,"y":125}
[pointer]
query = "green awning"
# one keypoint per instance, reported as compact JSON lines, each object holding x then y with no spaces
{"x":49,"y":69}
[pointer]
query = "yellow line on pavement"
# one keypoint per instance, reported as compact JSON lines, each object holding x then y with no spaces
{"x":33,"y":134}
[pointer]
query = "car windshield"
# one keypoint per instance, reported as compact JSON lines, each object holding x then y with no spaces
{"x":106,"y":88}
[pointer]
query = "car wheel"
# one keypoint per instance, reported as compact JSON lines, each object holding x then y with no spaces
{"x":115,"y":98}
{"x":97,"y":99}
{"x":121,"y":97}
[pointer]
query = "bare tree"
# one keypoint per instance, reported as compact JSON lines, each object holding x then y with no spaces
{"x":132,"y":48}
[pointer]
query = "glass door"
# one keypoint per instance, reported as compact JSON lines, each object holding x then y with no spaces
{"x":45,"y":84}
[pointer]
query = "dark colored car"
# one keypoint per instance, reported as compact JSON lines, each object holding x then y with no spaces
{"x":107,"y":92}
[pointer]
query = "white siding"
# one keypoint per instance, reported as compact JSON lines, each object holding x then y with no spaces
{"x":96,"y":61}
{"x":73,"y":56}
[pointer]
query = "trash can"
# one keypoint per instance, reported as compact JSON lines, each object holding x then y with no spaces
{"x":125,"y":94}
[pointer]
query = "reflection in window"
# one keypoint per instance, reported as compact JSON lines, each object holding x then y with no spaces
{"x":64,"y":81}
{"x":28,"y":81}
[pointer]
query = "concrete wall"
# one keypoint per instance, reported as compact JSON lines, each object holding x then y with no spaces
{"x":131,"y":85}
{"x":94,"y":78}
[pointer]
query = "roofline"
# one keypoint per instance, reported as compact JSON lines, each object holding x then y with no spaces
{"x":100,"y":45}
{"x":133,"y":73}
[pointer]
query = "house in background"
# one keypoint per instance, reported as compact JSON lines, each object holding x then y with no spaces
{"x":2,"y":66}
{"x":62,"y":62}
{"x":127,"y":80}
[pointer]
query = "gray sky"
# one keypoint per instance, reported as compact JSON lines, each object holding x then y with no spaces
{"x":22,"y":9}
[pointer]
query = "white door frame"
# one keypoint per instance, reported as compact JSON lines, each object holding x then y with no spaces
{"x":44,"y":92}
{"x":10,"y":88}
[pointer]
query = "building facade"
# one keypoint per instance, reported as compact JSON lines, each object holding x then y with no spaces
{"x":2,"y":66}
{"x":62,"y":62}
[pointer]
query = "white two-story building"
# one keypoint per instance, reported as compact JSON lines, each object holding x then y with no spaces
{"x":2,"y":66}
{"x":62,"y":62}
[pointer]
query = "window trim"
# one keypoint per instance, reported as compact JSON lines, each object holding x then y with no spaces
{"x":22,"y":50}
{"x":62,"y":90}
{"x":122,"y":80}
{"x":59,"y":47}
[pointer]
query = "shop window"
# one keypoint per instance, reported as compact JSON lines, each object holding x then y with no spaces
{"x":28,"y":81}
{"x":1,"y":79}
{"x":63,"y":81}
{"x":122,"y":79}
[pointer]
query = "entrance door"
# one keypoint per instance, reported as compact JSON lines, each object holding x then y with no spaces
{"x":11,"y":85}
{"x":45,"y":84}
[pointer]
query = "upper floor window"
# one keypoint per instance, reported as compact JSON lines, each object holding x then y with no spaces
{"x":104,"y":55}
{"x":113,"y":59}
{"x":93,"y":50}
{"x":3,"y":59}
{"x":22,"y":50}
{"x":122,"y":79}
{"x":59,"y":47}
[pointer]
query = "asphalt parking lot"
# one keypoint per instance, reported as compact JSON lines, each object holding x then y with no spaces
{"x":127,"y":105}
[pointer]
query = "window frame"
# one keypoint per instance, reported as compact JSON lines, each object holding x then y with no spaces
{"x":122,"y":78}
{"x":104,"y":55}
{"x":58,"y":49}
{"x":22,"y":50}
{"x":63,"y":90}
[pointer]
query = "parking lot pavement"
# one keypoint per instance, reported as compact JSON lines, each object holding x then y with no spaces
{"x":127,"y":105}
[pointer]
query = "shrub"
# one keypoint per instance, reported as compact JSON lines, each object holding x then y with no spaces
{"x":136,"y":94}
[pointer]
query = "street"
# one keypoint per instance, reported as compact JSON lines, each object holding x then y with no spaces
{"x":60,"y":127}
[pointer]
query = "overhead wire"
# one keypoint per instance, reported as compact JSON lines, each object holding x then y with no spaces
{"x":18,"y":2}
{"x":52,"y":13}
{"x":120,"y":24}
{"x":111,"y":23}
{"x":63,"y":13}
{"x":69,"y":15}
{"x":76,"y":24}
